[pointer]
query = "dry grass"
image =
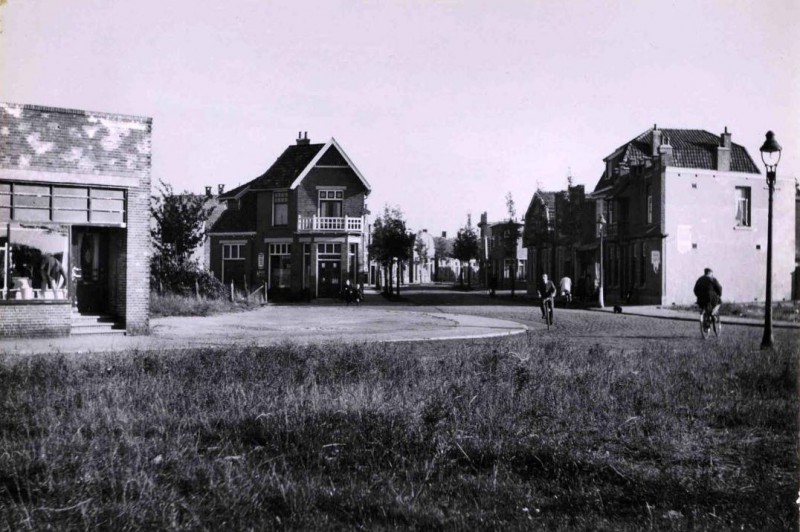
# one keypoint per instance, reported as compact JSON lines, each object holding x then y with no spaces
{"x":162,"y":305}
{"x":463,"y":435}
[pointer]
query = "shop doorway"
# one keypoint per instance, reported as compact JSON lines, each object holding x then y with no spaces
{"x":328,"y":275}
{"x":91,"y":266}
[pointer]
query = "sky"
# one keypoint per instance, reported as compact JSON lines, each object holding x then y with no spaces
{"x":445,"y":107}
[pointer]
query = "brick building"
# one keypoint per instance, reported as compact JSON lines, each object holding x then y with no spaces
{"x":300,"y":227}
{"x":74,"y":219}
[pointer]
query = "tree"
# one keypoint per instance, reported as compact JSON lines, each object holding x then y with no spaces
{"x":178,"y":223}
{"x":178,"y":228}
{"x":465,"y":248}
{"x":511,"y":235}
{"x":391,"y":242}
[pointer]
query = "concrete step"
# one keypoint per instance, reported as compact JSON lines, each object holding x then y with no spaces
{"x":82,"y":324}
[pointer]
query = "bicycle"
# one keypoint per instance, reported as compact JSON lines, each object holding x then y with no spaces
{"x":549,"y":311}
{"x":709,"y":321}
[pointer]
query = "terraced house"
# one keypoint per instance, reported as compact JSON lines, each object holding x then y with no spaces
{"x":300,"y":227}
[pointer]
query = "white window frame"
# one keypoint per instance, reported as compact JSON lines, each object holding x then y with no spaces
{"x":330,"y":194}
{"x":746,"y":219}
{"x":277,"y":249}
{"x":237,"y":245}
{"x":649,"y":204}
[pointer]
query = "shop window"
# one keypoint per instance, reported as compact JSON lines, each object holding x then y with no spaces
{"x":280,"y":208}
{"x":34,"y":260}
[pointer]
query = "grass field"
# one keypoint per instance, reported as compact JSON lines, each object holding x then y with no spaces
{"x":466,"y":435}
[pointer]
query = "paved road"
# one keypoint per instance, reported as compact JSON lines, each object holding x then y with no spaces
{"x":588,"y":327}
{"x":422,"y":313}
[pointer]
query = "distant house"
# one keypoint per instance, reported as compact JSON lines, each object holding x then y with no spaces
{"x":300,"y":227}
{"x":679,"y":200}
{"x":554,"y":229}
{"x":502,"y":260}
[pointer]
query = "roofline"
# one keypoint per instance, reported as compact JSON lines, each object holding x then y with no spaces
{"x":319,"y":155}
{"x":80,"y":112}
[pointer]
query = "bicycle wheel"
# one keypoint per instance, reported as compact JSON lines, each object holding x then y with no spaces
{"x":717,"y":324}
{"x":705,"y":327}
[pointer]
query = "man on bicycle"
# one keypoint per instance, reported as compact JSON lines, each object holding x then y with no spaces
{"x":547,"y":291}
{"x":708,"y":292}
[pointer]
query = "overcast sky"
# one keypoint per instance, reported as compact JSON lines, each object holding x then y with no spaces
{"x":443,"y":106}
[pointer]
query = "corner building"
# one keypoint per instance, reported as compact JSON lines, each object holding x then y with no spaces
{"x":74,"y":221}
{"x":300,"y":227}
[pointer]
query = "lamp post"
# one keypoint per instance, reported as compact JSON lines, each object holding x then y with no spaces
{"x":601,"y":228}
{"x":770,"y":155}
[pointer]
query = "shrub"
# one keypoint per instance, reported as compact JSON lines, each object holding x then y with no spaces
{"x":169,"y":275}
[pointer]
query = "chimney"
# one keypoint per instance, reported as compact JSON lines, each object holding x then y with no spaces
{"x":220,"y":188}
{"x":656,"y":140}
{"x":302,"y":140}
{"x":444,"y":234}
{"x":208,"y":192}
{"x":665,"y":153}
{"x":724,"y":152}
{"x":424,"y":230}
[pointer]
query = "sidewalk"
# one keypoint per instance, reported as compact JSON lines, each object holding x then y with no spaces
{"x":655,"y":311}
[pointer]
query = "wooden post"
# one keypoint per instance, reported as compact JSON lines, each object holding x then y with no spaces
{"x":246,"y":291}
{"x":265,"y":293}
{"x":232,"y":298}
{"x":196,"y":289}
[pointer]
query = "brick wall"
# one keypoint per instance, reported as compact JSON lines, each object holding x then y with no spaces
{"x":35,"y":319}
{"x":67,"y":146}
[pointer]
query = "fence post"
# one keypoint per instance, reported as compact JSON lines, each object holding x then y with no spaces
{"x":265,"y":293}
{"x":232,"y":299}
{"x":246,"y":291}
{"x":196,"y":289}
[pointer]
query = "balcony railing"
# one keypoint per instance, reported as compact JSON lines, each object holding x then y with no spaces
{"x":325,"y":223}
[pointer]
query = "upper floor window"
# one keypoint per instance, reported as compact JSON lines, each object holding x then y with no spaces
{"x":233,"y":251}
{"x":330,"y":203}
{"x":280,"y":208}
{"x":743,"y":206}
{"x":649,"y":204}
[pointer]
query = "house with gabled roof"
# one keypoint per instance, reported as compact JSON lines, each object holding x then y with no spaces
{"x":554,"y":229}
{"x":676,"y":201}
{"x":300,"y":227}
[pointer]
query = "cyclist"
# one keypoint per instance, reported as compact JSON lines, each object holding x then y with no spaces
{"x":547,"y":291}
{"x":708,"y":292}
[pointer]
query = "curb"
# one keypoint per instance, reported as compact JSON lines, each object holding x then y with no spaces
{"x":726,"y":320}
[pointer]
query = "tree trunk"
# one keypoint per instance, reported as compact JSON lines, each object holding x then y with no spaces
{"x":399,"y":275}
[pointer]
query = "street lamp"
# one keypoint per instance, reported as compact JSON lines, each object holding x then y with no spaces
{"x":601,"y":226}
{"x":770,"y":155}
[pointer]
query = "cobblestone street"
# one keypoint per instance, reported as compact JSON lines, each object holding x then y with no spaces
{"x":586,"y":326}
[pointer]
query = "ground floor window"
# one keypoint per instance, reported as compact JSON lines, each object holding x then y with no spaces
{"x":233,"y":264}
{"x":34,"y":259}
{"x":353,"y":263}
{"x":280,"y":265}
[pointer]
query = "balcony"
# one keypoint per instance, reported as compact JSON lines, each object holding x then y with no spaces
{"x":323,"y":224}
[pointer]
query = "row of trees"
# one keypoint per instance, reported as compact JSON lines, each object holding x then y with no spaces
{"x":393,"y":246}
